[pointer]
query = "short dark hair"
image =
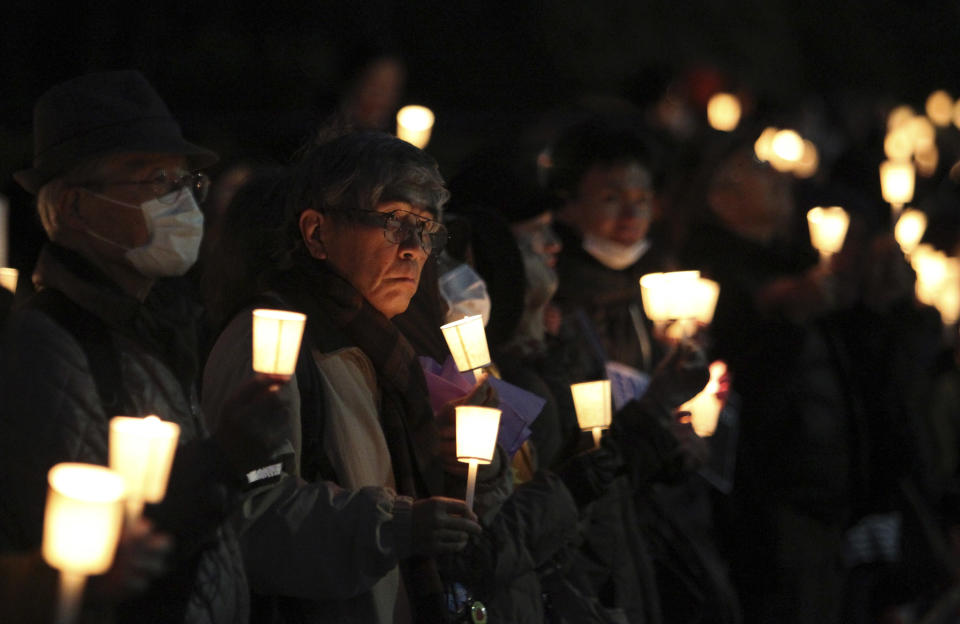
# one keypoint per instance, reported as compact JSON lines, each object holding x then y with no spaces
{"x":588,"y":144}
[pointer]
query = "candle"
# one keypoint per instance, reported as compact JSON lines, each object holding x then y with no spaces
{"x":681,"y":298}
{"x":467,"y":341}
{"x":592,"y":402}
{"x":723,"y":111}
{"x":8,"y":278}
{"x":939,"y":107}
{"x":828,"y":229}
{"x":477,"y":429}
{"x":909,"y":230}
{"x":414,"y":125}
{"x":276,"y":341}
{"x":897,"y":182}
{"x":81,"y":528}
{"x":141,"y":451}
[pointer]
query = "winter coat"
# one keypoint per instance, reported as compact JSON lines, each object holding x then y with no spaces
{"x":52,"y":412}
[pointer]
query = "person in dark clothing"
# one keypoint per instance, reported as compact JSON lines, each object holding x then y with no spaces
{"x":110,"y":332}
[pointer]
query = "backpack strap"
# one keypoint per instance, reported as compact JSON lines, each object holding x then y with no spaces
{"x":94,"y":339}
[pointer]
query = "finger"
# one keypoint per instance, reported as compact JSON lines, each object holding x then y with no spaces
{"x":464,"y":525}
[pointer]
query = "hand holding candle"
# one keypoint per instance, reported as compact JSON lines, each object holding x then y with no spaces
{"x":477,"y":429}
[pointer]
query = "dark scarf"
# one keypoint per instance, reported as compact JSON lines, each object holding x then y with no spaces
{"x":405,"y":412}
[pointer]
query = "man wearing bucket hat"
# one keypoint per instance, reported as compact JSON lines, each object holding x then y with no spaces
{"x":109,"y":332}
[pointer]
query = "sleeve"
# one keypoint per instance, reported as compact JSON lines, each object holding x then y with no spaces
{"x":50,"y":412}
{"x":308,"y":540}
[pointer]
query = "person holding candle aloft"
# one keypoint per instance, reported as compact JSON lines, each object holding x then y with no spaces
{"x":110,"y":333}
{"x":349,"y":522}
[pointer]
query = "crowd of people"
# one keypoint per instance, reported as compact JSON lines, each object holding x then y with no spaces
{"x":335,"y":495}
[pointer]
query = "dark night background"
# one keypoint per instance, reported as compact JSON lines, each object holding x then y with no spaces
{"x":252,"y":79}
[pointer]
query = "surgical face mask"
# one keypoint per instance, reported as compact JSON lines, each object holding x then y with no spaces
{"x":175,"y":225}
{"x":465,"y":293}
{"x":612,"y":254}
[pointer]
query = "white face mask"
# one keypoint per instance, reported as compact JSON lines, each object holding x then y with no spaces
{"x":465,"y":293}
{"x":612,"y":254}
{"x":175,"y":229}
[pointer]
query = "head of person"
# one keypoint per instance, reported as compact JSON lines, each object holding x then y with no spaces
{"x":367,"y":206}
{"x":602,"y":174}
{"x":114,"y":178}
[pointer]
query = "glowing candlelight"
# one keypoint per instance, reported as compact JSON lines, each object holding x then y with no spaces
{"x":467,"y":341}
{"x":81,"y":527}
{"x":723,"y":111}
{"x":141,"y":451}
{"x":706,"y":406}
{"x":809,"y":162}
{"x":897,"y":182}
{"x":414,"y":125}
{"x":276,"y":341}
{"x":8,"y":278}
{"x":828,"y":229}
{"x":909,"y":230}
{"x":477,"y":429}
{"x":592,"y":402}
{"x":947,"y":295}
{"x":939,"y":107}
{"x":763,"y":146}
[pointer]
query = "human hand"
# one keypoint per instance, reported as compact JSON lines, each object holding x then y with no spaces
{"x":441,"y":525}
{"x":141,"y":557}
{"x":680,"y":376}
{"x":253,"y":422}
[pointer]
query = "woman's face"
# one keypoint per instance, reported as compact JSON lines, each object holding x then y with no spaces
{"x":613,"y":202}
{"x":386,"y":274}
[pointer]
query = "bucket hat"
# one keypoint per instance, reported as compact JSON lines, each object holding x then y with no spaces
{"x":97,"y":115}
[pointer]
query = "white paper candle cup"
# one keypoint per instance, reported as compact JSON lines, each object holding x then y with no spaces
{"x":8,"y":278}
{"x":477,"y":429}
{"x":909,"y":230}
{"x":897,"y":180}
{"x":141,"y":451}
{"x":828,"y":229}
{"x":592,"y":402}
{"x":467,"y":341}
{"x":83,"y":517}
{"x":705,"y":407}
{"x":276,"y":341}
{"x":415,"y":124}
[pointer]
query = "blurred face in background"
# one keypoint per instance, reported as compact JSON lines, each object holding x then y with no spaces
{"x":613,"y":202}
{"x":750,"y":197}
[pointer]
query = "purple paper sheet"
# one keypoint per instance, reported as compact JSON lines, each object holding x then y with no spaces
{"x":518,"y":407}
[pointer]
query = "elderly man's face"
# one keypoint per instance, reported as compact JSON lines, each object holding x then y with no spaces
{"x":613,"y":202}
{"x":386,"y":274}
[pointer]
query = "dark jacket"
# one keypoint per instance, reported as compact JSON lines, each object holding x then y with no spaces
{"x":52,"y":412}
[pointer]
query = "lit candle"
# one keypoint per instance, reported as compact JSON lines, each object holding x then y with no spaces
{"x":930,"y":266}
{"x":809,"y":162}
{"x":947,"y":295}
{"x":8,"y":278}
{"x":909,"y":230}
{"x":467,"y":341}
{"x":939,"y":107}
{"x":706,"y":406}
{"x":81,"y":527}
{"x":276,"y":341}
{"x":477,"y":429}
{"x":723,"y":111}
{"x":828,"y":229}
{"x":680,"y":298}
{"x":786,"y":150}
{"x":592,"y":402}
{"x":414,"y":125}
{"x":141,"y":451}
{"x":896,"y":183}
{"x":763,"y":146}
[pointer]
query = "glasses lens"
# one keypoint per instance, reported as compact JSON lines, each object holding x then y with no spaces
{"x":170,"y":190}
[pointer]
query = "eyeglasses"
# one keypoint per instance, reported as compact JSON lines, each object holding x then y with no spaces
{"x":400,"y":225}
{"x":167,"y":188}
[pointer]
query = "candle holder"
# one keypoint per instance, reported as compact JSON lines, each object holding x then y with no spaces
{"x":414,"y":125}
{"x":276,"y":341}
{"x":828,"y":229}
{"x":467,"y":341}
{"x":477,"y":429}
{"x":8,"y":278}
{"x":592,"y":402}
{"x":897,"y":181}
{"x":141,"y":451}
{"x":705,"y":407}
{"x":81,"y":528}
{"x":909,"y":230}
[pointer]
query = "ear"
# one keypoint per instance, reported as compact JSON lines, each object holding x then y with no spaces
{"x":68,"y":210}
{"x":313,"y":227}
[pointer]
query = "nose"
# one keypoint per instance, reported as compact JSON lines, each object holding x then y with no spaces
{"x":410,"y":246}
